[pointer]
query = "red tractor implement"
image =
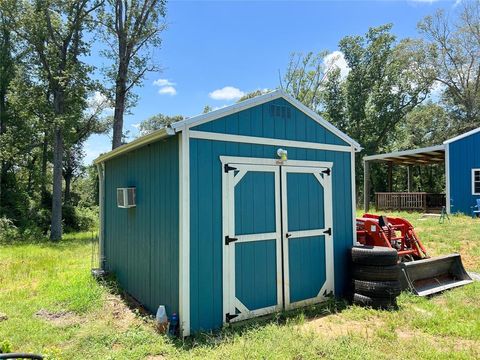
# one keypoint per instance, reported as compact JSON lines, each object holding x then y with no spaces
{"x":420,"y":273}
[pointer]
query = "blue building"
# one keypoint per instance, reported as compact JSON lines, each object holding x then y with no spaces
{"x":232,"y":214}
{"x":461,"y":157}
{"x":462,"y":170}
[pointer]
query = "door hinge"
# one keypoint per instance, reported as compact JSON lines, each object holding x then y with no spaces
{"x":229,"y":239}
{"x":327,"y":171}
{"x":228,"y":168}
{"x":328,"y":231}
{"x":229,"y":317}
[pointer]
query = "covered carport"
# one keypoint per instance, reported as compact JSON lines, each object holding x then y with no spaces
{"x":408,"y":200}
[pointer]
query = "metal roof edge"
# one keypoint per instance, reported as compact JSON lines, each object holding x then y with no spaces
{"x":227,"y":110}
{"x":459,"y":137}
{"x":404,"y":152}
{"x":141,"y":141}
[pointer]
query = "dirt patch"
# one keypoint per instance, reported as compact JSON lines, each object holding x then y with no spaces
{"x":443,"y":342}
{"x":59,"y":318}
{"x":334,"y":326}
{"x":470,"y":261}
{"x":116,"y":309}
{"x":3,"y":317}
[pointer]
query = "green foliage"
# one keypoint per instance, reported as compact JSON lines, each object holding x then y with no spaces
{"x":157,"y":122}
{"x":251,"y":95}
{"x":304,"y":78}
{"x":8,"y":231}
{"x":78,"y":218}
{"x":5,"y":347}
{"x":450,"y":47}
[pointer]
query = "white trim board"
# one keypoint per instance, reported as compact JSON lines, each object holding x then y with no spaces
{"x":204,"y":135}
{"x":258,"y":100}
{"x":448,"y":202}
{"x":184,"y":234}
{"x":473,"y":181}
{"x":459,"y":137}
{"x":354,"y":196}
{"x":266,"y":161}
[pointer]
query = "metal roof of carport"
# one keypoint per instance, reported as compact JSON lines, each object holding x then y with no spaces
{"x":424,"y":156}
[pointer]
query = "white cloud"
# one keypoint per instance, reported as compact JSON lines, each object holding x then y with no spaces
{"x":169,"y":90}
{"x":437,"y":90}
{"x":163,"y":82}
{"x":226,"y":93}
{"x":99,"y":104}
{"x":167,"y":87}
{"x":337,"y":59}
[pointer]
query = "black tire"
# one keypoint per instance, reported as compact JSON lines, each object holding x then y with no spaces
{"x":376,"y":273}
{"x":376,"y":303}
{"x":381,"y":289}
{"x":374,"y":255}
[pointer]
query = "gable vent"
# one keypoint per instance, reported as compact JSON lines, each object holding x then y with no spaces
{"x":283,"y":112}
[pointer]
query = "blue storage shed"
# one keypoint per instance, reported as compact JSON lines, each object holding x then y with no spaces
{"x":232,"y":214}
{"x":461,"y":156}
{"x":462,"y":167}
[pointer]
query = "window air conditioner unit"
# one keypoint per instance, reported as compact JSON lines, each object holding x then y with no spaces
{"x":126,"y":197}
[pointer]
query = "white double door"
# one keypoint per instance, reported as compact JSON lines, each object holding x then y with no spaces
{"x":277,"y":235}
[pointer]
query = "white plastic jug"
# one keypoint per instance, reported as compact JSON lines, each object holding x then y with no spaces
{"x":162,"y":319}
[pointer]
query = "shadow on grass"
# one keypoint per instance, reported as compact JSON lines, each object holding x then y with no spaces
{"x":212,"y":339}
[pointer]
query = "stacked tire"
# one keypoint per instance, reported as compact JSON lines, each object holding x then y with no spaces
{"x":375,"y":276}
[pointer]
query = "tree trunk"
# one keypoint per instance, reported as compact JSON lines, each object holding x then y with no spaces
{"x":56,"y":225}
{"x":43,"y":185}
{"x":68,"y":176}
{"x":68,"y":186}
{"x":120,"y":96}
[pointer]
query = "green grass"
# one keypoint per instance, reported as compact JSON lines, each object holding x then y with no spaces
{"x":96,"y":324}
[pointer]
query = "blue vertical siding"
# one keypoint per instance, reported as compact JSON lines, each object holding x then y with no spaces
{"x":256,"y":262}
{"x":259,"y":121}
{"x":141,"y":243}
{"x":307,"y":269}
{"x":206,"y":197}
{"x":464,"y":156}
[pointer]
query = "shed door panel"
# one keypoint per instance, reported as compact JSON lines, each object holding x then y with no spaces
{"x":307,"y":244}
{"x":253,"y":252}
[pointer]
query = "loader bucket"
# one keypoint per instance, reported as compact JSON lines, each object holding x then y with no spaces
{"x":430,"y":276}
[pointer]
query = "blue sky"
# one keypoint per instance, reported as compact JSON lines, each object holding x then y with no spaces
{"x":242,"y":45}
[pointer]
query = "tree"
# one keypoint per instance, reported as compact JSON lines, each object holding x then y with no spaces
{"x":304,"y":78}
{"x":56,"y":40}
{"x":381,"y":87}
{"x":133,"y":28}
{"x":157,"y":122}
{"x":253,"y":94}
{"x":452,"y":50}
{"x":6,"y":73}
{"x":93,"y":121}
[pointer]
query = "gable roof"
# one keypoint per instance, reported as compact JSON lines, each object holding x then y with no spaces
{"x":216,"y":114}
{"x":459,"y":137}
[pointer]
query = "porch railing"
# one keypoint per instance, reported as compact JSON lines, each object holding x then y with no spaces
{"x":420,"y":201}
